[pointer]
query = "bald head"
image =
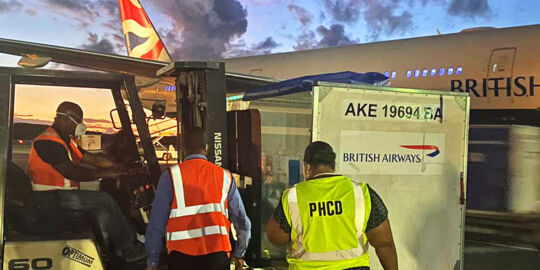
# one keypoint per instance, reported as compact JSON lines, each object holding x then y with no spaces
{"x":70,"y":108}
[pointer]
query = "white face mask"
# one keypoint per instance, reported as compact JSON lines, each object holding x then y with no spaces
{"x":80,"y":129}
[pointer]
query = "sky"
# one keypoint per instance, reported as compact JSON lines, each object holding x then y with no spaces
{"x":217,"y":29}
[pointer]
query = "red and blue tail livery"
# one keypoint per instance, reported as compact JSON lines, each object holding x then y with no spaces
{"x":142,"y":39}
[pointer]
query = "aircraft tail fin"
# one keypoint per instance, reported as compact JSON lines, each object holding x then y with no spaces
{"x":142,"y":39}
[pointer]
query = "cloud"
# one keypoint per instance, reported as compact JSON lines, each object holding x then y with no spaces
{"x":89,"y":12}
{"x":31,"y":12}
{"x":241,"y":49}
{"x":263,"y":2}
{"x":110,"y":7}
{"x":301,"y":14}
{"x":10,"y":6}
{"x":267,"y":44}
{"x":347,"y":11}
{"x":469,"y":8}
{"x":305,"y":41}
{"x":203,"y":29}
{"x":23,"y":115}
{"x":329,"y":37}
{"x":322,"y":16}
{"x":96,"y":121}
{"x":19,"y":120}
{"x":95,"y":44}
{"x":381,"y":16}
{"x":84,"y":7}
{"x":333,"y":36}
{"x":380,"y":19}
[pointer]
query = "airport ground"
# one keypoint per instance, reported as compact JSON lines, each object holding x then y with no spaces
{"x":490,"y":256}
{"x":477,"y":255}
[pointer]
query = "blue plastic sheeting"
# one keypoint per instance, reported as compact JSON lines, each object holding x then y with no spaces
{"x":306,"y":83}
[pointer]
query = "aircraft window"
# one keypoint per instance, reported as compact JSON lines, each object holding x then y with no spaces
{"x":459,"y":70}
{"x":416,"y":73}
{"x":393,"y":74}
{"x":424,"y":73}
{"x":433,"y":72}
{"x":409,"y":73}
{"x":441,"y":71}
{"x":450,"y":70}
{"x":387,"y":74}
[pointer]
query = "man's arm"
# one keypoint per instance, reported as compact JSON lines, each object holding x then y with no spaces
{"x":97,"y":160}
{"x":275,"y":234}
{"x":381,"y":239}
{"x":278,"y":228}
{"x":240,"y":220}
{"x":56,"y":155}
{"x":242,"y":225}
{"x":81,"y":173}
{"x":379,"y":233}
{"x":161,"y":209}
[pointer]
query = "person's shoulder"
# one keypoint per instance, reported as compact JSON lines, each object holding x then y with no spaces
{"x":357,"y":182}
{"x":209,"y":165}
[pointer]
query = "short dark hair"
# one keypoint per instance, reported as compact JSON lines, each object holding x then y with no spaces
{"x":194,"y":139}
{"x":320,"y":153}
{"x":68,"y":106}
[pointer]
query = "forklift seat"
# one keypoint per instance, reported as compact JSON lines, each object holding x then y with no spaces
{"x":37,"y":213}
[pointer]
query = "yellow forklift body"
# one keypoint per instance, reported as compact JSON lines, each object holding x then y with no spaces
{"x":57,"y":255}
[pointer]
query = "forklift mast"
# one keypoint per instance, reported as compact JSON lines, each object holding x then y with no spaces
{"x":200,"y":102}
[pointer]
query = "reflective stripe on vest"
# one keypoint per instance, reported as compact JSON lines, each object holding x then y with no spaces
{"x":182,"y":210}
{"x":44,"y":177}
{"x":195,"y":233}
{"x":357,"y":251}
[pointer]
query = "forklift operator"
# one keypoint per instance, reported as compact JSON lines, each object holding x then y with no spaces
{"x":56,"y":164}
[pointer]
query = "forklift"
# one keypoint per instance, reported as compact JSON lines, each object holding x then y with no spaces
{"x":42,"y":239}
{"x":68,"y":239}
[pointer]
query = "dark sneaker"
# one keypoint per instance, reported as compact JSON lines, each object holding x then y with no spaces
{"x":134,"y":253}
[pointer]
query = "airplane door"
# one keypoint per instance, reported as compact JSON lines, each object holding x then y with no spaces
{"x":501,"y":63}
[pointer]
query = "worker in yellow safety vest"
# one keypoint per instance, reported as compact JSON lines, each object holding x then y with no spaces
{"x":329,"y":219}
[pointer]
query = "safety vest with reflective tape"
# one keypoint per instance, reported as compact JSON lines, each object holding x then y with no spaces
{"x":328,"y":217}
{"x":198,"y":223}
{"x":43,"y":175}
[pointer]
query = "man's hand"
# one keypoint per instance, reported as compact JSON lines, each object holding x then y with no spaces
{"x":110,"y":173}
{"x":238,"y":263}
{"x":98,"y":160}
{"x":135,"y":170}
{"x":104,"y":162}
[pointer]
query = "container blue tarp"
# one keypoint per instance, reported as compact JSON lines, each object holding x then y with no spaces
{"x":306,"y":83}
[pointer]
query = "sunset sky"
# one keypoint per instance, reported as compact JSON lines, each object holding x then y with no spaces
{"x":216,"y":29}
{"x":37,"y":104}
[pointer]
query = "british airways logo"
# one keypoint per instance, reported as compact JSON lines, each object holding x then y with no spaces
{"x":393,"y":157}
{"x":424,"y":147}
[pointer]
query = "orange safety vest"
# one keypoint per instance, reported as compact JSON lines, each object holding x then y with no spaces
{"x":198,"y":223}
{"x":44,"y":176}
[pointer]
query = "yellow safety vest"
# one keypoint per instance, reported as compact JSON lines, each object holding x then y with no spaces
{"x":328,"y":217}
